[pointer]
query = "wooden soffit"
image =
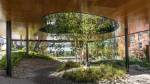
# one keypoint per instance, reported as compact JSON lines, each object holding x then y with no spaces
{"x":34,"y":10}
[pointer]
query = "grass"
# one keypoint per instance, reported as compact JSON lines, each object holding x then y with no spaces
{"x":68,"y":65}
{"x":103,"y":72}
{"x":16,"y":57}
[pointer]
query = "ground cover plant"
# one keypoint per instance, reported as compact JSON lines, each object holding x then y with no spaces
{"x":68,"y":65}
{"x":16,"y":57}
{"x":103,"y":72}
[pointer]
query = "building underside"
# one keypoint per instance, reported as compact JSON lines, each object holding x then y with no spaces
{"x":26,"y":15}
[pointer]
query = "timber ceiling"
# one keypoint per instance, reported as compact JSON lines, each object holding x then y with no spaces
{"x":34,"y":10}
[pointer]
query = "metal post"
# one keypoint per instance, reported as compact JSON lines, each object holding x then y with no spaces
{"x":148,"y":45}
{"x":149,"y":24}
{"x":87,"y":54}
{"x":149,"y":35}
{"x":8,"y":48}
{"x":27,"y":40}
{"x":126,"y":44}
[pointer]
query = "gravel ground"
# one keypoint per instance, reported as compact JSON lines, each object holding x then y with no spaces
{"x":36,"y":71}
{"x":138,"y":75}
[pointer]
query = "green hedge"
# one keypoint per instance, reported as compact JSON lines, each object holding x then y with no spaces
{"x":103,"y":72}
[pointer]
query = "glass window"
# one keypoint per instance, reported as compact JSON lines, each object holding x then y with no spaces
{"x":140,"y":36}
{"x":140,"y":45}
{"x":132,"y":40}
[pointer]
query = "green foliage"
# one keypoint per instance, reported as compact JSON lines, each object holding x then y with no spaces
{"x":136,"y":61}
{"x":64,"y":23}
{"x":103,"y":49}
{"x":119,"y":63}
{"x":80,"y":27}
{"x":77,"y":23}
{"x":33,"y":54}
{"x":68,"y":65}
{"x":16,"y":57}
{"x":106,"y":26}
{"x":103,"y":72}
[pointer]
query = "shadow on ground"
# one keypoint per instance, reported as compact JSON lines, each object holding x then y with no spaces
{"x":42,"y":77}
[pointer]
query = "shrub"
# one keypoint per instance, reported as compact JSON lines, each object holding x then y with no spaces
{"x":33,"y":54}
{"x":68,"y":65}
{"x":118,"y":63}
{"x":16,"y":57}
{"x":103,"y":72}
{"x":142,"y":62}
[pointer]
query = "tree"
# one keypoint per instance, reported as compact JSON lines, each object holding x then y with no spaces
{"x":82,"y":28}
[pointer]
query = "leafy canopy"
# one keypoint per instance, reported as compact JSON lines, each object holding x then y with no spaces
{"x":77,"y":23}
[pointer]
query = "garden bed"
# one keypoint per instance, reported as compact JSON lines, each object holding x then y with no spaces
{"x":68,"y":65}
{"x":95,"y":74}
{"x":17,"y":57}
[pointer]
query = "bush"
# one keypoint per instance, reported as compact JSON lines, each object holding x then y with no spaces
{"x":103,"y":72}
{"x":68,"y":65}
{"x":33,"y":54}
{"x":16,"y":57}
{"x":119,"y":63}
{"x":142,"y":62}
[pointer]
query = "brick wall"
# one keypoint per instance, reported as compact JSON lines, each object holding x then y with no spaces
{"x":138,"y":26}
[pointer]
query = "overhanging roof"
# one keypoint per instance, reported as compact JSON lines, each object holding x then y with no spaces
{"x":34,"y":10}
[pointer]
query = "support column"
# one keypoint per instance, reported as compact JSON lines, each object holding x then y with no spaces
{"x":149,"y":23}
{"x":27,"y":40}
{"x":126,"y":44}
{"x":87,"y":54}
{"x":147,"y":13}
{"x":8,"y":48}
{"x":149,"y":34}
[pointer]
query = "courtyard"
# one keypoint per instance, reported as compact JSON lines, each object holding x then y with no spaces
{"x":75,"y":42}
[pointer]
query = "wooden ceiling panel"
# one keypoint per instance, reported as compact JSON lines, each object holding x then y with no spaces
{"x":107,"y":3}
{"x":34,"y":10}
